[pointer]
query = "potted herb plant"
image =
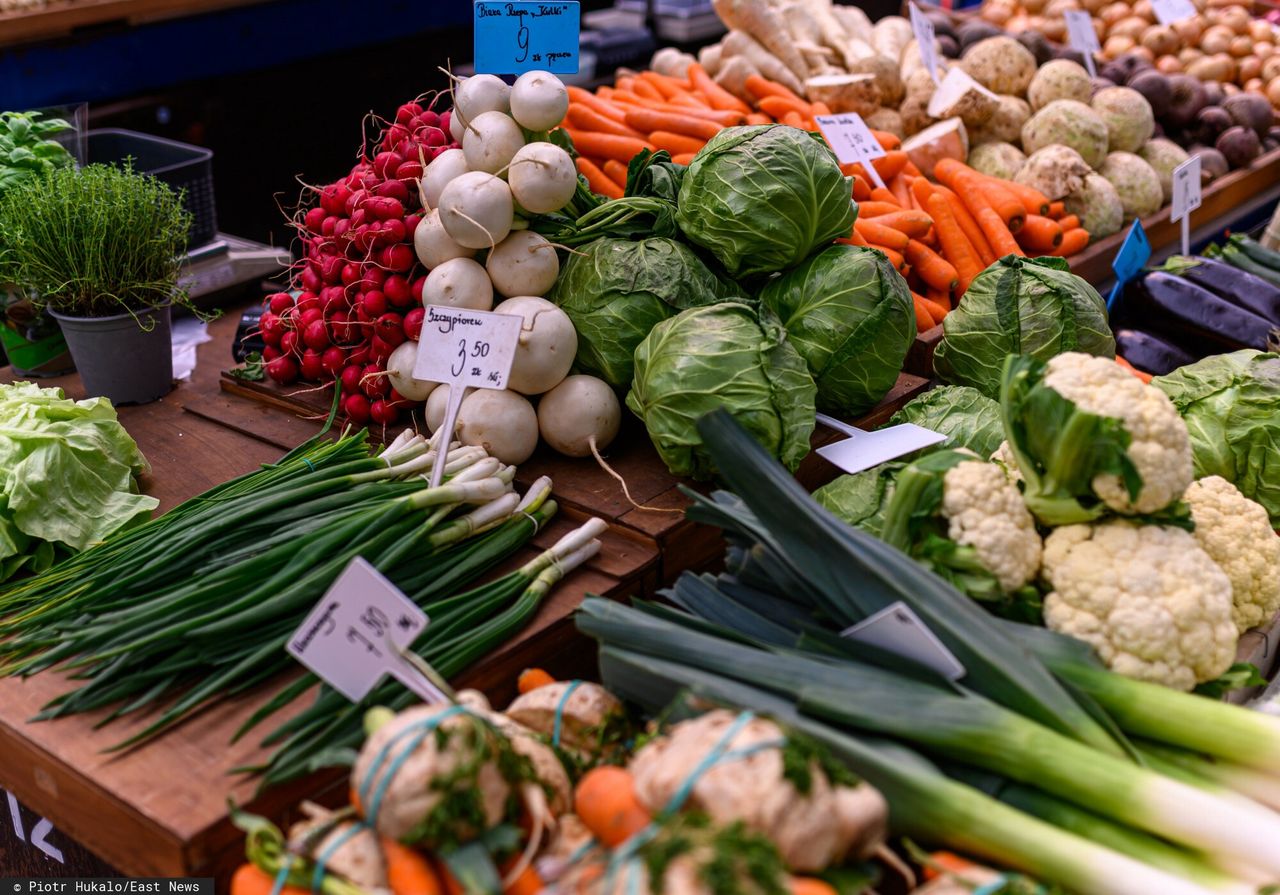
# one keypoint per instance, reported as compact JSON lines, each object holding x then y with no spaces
{"x":101,"y":249}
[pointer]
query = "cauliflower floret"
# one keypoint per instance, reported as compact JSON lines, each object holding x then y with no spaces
{"x":1147,"y":597}
{"x":1004,"y":458}
{"x":1236,"y":533}
{"x":1160,"y":447}
{"x":985,"y":511}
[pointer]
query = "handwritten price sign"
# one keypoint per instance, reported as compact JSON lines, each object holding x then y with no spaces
{"x":851,"y":140}
{"x":513,"y":38}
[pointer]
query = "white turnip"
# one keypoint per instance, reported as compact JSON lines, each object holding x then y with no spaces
{"x":548,"y":343}
{"x":433,"y":245}
{"x":524,"y":263}
{"x":437,"y":404}
{"x":400,"y":372}
{"x":459,"y":283}
{"x":538,"y":100}
{"x":501,"y":422}
{"x":476,"y":209}
{"x":542,"y":177}
{"x":491,"y":141}
{"x":579,"y":414}
{"x":443,"y":168}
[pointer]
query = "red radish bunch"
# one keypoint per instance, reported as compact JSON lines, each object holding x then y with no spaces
{"x":359,"y":277}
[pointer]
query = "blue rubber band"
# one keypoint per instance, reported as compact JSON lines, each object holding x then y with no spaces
{"x":564,"y":700}
{"x":710,"y":760}
{"x":281,"y":875}
{"x":418,"y":732}
{"x":996,"y":885}
{"x":317,"y":875}
{"x":310,"y":465}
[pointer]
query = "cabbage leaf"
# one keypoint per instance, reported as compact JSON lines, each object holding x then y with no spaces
{"x":967,"y":417}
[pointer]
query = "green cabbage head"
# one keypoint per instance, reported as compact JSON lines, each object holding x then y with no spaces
{"x":762,"y":198}
{"x":616,"y":290}
{"x":1231,"y":405}
{"x":1030,"y":306}
{"x":849,"y":314}
{"x":965,"y":415}
{"x":728,"y":355}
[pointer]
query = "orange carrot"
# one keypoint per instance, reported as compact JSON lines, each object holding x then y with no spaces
{"x":527,"y":883}
{"x":974,"y":191}
{"x":924,"y":319}
{"x":597,"y":103}
{"x":997,"y":232}
{"x":1068,"y":222}
{"x":861,"y":188}
{"x":1145,"y":377}
{"x":894,"y":256}
{"x":873,"y":209}
{"x":531,"y":679}
{"x":879,"y":235}
{"x":778,"y":106}
{"x":649,"y":120}
{"x":972,"y":232}
{"x":683,"y":158}
{"x":891,"y":163}
{"x":586,"y":118}
{"x":1040,"y":235}
{"x":408,"y":871}
{"x":603,"y":146}
{"x":939,"y":297}
{"x":854,"y":239}
{"x":941,"y":863}
{"x":715,"y":94}
{"x":911,"y":169}
{"x":1002,"y":201}
{"x":666,"y":85}
{"x":759,"y":87}
{"x":605,"y":800}
{"x":793,"y":119}
{"x":955,"y":246}
{"x":643,"y":88}
{"x":936,"y":311}
{"x":920,"y":190}
{"x":1072,"y":241}
{"x":675,"y":143}
{"x":901,"y":191}
{"x":819,"y":109}
{"x":931,"y":267}
{"x":1033,"y":201}
{"x":810,"y":885}
{"x":249,"y":879}
{"x":1056,"y":210}
{"x":759,"y":118}
{"x":596,"y":179}
{"x":615,"y":171}
{"x":913,"y":223}
{"x":889,"y":142}
{"x":881,"y":194}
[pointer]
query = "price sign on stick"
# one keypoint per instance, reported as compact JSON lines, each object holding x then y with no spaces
{"x":852,"y":141}
{"x":357,"y":634}
{"x":464,"y":349}
{"x":1186,"y":197}
{"x":1134,"y":254}
{"x":923,"y":29}
{"x":1082,"y":36}
{"x":1169,"y":11}
{"x":513,"y":38}
{"x":897,"y":629}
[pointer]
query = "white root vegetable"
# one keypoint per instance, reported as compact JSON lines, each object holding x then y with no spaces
{"x":891,"y":35}
{"x":539,"y":100}
{"x":733,"y":75}
{"x":501,"y":422}
{"x":580,"y":413}
{"x":739,"y":43}
{"x":437,"y":405}
{"x":710,"y":57}
{"x":671,"y":62}
{"x":845,"y":93}
{"x":833,"y":34}
{"x":460,"y":283}
{"x":492,"y":139}
{"x":478,"y":94}
{"x":476,"y":209}
{"x":946,"y":139}
{"x":854,"y":21}
{"x":443,"y":168}
{"x":400,"y":373}
{"x":766,"y":25}
{"x":433,"y":244}
{"x":354,"y":855}
{"x":547,"y":346}
{"x":524,"y":263}
{"x":542,"y":177}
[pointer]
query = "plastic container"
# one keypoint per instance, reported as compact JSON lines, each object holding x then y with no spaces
{"x":120,"y":360}
{"x":180,"y":165}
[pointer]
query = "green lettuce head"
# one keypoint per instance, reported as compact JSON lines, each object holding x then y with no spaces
{"x":761,"y":199}
{"x":616,"y":290}
{"x":728,"y":355}
{"x":967,"y":417}
{"x":849,"y":314}
{"x":1029,"y":306}
{"x":1231,"y":405}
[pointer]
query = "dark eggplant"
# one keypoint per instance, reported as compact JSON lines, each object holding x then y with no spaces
{"x":1150,"y":354}
{"x":1241,"y":288}
{"x":1168,"y":303}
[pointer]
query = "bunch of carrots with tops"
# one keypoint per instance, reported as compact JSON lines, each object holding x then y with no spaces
{"x":653,"y":111}
{"x":941,"y":235}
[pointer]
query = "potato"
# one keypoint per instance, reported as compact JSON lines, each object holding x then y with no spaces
{"x":1216,"y":39}
{"x":1116,"y":45}
{"x":1261,"y":30}
{"x":1250,"y":69}
{"x":1144,"y":53}
{"x":1270,"y":69}
{"x":1188,"y":55}
{"x":1160,"y":39}
{"x":1236,"y":18}
{"x":1130,"y":26}
{"x":1213,"y":68}
{"x":1189,"y":29}
{"x":1241,"y":46}
{"x":1273,"y":91}
{"x":1254,"y":85}
{"x":1264,"y":48}
{"x":1114,"y":12}
{"x":1169,"y":65}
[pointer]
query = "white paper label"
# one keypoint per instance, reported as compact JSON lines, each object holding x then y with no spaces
{"x":955,"y":85}
{"x":1082,"y":36}
{"x":1186,"y":188}
{"x":852,"y":141}
{"x":1170,"y":11}
{"x":473,"y":349}
{"x":868,"y":449}
{"x":354,"y":635}
{"x":923,"y":29}
{"x":897,"y":629}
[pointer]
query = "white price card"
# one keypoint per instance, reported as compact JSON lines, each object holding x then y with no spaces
{"x":1170,"y":11}
{"x":852,"y":141}
{"x":1186,"y":189}
{"x":356,"y":633}
{"x":465,"y":349}
{"x":923,"y":29}
{"x":1082,"y":36}
{"x":897,"y":629}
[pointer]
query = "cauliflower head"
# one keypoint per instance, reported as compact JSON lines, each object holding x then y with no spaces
{"x":1236,"y":533}
{"x":984,"y":510}
{"x":1160,"y":448}
{"x":1146,"y":597}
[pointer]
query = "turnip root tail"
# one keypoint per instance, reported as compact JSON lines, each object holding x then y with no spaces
{"x":626,"y":492}
{"x":469,"y":219}
{"x":539,"y":812}
{"x":886,"y":854}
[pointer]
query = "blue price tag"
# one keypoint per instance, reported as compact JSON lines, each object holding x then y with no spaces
{"x":513,"y":38}
{"x":1134,"y":254}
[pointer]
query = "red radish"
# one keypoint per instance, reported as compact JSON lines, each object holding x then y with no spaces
{"x":374,"y":304}
{"x":308,"y":301}
{"x":279,"y":302}
{"x":314,"y":315}
{"x":379,"y":350}
{"x":272,"y":326}
{"x":355,"y":201}
{"x":291,"y":318}
{"x":411,"y":222}
{"x":289,"y":343}
{"x":333,"y":298}
{"x":393,"y":189}
{"x":359,"y":355}
{"x":397,"y":257}
{"x":330,"y":271}
{"x":397,"y":290}
{"x":417,"y":287}
{"x":270,"y":353}
{"x":383,"y":413}
{"x":341,"y":227}
{"x":333,"y":198}
{"x":387,"y":232}
{"x":340,"y":326}
{"x":356,"y":407}
{"x":316,"y":336}
{"x":397,"y":400}
{"x":283,"y":370}
{"x":409,"y":172}
{"x":429,"y":118}
{"x":384,"y":208}
{"x":349,"y":379}
{"x":333,"y":360}
{"x":373,"y":277}
{"x":311,"y":279}
{"x":350,"y":273}
{"x":390,"y":329}
{"x":314,"y":218}
{"x":408,"y":112}
{"x":373,"y":381}
{"x":413,"y":323}
{"x":395,"y":134}
{"x":434,"y":137}
{"x":446,"y":121}
{"x":329,"y":225}
{"x":311,"y":367}
{"x":359,"y":217}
